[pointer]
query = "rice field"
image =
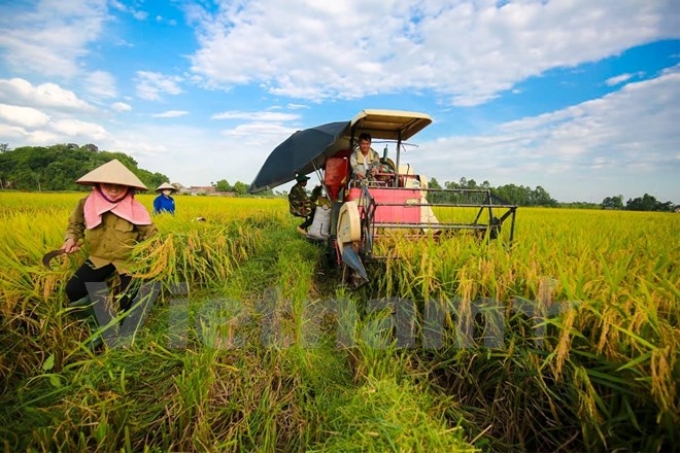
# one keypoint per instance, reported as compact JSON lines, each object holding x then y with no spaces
{"x":568,"y":341}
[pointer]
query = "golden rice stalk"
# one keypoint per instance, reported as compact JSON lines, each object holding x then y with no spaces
{"x":664,"y":387}
{"x":564,"y":343}
{"x":608,"y":338}
{"x":157,"y":255}
{"x":587,"y":399}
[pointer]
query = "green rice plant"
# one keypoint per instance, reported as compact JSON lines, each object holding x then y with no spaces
{"x":260,"y":365}
{"x":615,"y":317}
{"x":384,"y":415}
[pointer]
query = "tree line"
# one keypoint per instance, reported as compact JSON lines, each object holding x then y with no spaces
{"x":646,"y":202}
{"x":511,"y":193}
{"x":526,"y":196}
{"x":239,"y":188}
{"x":57,"y":167}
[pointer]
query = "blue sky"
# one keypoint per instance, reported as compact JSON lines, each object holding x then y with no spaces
{"x":581,"y":97}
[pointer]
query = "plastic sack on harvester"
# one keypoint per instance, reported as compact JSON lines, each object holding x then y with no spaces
{"x":321,"y":224}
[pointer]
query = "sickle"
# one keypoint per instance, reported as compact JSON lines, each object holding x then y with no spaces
{"x":49,"y":255}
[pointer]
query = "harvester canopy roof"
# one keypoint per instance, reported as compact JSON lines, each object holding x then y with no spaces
{"x":390,"y":124}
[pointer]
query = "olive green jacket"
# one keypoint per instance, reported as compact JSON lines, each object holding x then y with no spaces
{"x":299,"y":203}
{"x":111,"y":241}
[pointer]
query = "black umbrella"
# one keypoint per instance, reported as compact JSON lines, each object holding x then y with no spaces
{"x":301,"y":153}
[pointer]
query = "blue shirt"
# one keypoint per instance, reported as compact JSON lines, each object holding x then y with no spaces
{"x":163,"y":204}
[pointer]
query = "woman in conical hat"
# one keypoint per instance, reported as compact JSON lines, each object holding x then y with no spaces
{"x":109,"y":221}
{"x":164,"y":201}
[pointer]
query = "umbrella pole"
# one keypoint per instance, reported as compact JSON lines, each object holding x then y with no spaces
{"x":396,"y":170}
{"x":322,"y":180}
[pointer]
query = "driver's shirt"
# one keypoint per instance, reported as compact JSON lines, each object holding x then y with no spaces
{"x":363,"y":164}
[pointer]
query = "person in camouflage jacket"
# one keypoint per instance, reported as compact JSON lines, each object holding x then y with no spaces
{"x":301,"y":205}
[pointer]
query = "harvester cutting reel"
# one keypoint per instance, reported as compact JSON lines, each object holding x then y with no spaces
{"x":350,"y":244}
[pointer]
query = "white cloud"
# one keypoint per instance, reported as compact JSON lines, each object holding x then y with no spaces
{"x":45,"y":114}
{"x":25,"y":117}
{"x":76,"y":128}
{"x":54,"y":131}
{"x":117,"y":5}
{"x":258,"y":134}
{"x":213,"y":156}
{"x":48,"y":95}
{"x":51,"y":37}
{"x":11,"y":133}
{"x":140,"y":15}
{"x":42,"y":137}
{"x":100,"y":84}
{"x":255,"y":116}
{"x":354,"y":48}
{"x":151,"y":85}
{"x":120,"y":107}
{"x":618,"y":79}
{"x":171,"y":114}
{"x":292,"y":106}
{"x":136,"y":13}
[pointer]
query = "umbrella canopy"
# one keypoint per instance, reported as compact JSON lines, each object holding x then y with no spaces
{"x":300,"y":153}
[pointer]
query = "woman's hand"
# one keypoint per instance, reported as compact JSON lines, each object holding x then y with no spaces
{"x":70,"y":246}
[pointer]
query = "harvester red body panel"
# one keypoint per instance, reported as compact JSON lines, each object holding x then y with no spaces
{"x":392,"y":206}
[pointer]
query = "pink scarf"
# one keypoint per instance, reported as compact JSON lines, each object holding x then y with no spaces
{"x":127,"y":208}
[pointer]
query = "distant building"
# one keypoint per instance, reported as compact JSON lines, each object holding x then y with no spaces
{"x":181,"y":189}
{"x":202,"y":190}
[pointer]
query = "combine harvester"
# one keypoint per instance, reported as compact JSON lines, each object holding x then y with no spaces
{"x":396,"y":202}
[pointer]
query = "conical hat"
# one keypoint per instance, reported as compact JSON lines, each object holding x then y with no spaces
{"x":113,"y":172}
{"x":166,"y":185}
